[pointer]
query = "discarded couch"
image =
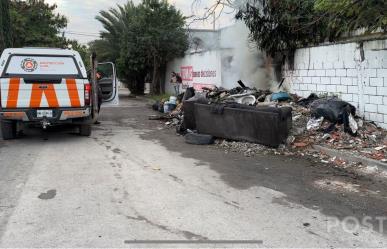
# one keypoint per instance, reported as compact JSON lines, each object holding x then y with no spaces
{"x":189,"y":110}
{"x":264,"y":125}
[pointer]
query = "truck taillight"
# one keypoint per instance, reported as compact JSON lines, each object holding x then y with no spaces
{"x":87,"y":94}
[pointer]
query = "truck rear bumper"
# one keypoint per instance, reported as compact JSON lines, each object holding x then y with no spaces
{"x":58,"y":114}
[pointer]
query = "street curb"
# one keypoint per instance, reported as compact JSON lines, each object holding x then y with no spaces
{"x":350,"y":157}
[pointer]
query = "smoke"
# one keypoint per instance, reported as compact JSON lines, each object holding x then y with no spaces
{"x":241,"y":60}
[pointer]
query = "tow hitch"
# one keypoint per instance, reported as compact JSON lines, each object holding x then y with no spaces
{"x":45,"y":124}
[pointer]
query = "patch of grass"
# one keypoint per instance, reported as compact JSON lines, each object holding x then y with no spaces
{"x":159,"y":97}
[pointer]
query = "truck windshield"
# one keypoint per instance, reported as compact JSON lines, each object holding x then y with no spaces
{"x":28,"y":65}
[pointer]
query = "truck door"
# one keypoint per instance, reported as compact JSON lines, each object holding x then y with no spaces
{"x":107,"y":81}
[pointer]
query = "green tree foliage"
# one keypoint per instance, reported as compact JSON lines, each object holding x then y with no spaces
{"x":35,"y":24}
{"x":83,"y":51}
{"x":141,"y":39}
{"x":284,"y":25}
{"x":5,"y":26}
{"x":344,"y":16}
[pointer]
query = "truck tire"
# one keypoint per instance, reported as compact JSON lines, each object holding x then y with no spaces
{"x":85,"y":130}
{"x":8,"y":129}
{"x":199,"y":139}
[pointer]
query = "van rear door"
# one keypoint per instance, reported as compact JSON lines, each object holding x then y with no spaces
{"x":42,"y":81}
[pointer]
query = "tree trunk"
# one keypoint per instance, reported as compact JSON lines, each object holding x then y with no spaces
{"x":156,"y":77}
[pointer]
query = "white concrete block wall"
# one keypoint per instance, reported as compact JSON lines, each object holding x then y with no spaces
{"x":340,"y":70}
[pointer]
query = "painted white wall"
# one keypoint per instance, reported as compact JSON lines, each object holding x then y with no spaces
{"x":197,"y":70}
{"x":228,"y":52}
{"x":339,"y":70}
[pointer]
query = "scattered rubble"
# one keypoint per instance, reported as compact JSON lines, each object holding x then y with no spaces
{"x":325,"y":121}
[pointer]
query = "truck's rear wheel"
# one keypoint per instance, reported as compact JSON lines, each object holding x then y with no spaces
{"x":8,"y":129}
{"x":85,"y":130}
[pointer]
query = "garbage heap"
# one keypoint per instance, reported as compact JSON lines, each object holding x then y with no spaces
{"x":317,"y":120}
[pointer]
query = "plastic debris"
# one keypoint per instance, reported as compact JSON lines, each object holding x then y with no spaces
{"x":314,"y":123}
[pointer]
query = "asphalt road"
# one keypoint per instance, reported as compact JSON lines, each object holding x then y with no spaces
{"x":134,"y":181}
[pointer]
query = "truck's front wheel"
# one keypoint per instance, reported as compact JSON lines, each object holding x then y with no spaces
{"x":8,"y":129}
{"x":85,"y":130}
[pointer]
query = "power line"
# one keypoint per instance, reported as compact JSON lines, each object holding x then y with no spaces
{"x":80,"y":34}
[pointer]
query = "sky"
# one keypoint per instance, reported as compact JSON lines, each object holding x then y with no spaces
{"x":83,"y":27}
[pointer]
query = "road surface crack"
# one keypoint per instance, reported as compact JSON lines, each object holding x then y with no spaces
{"x":187,"y":234}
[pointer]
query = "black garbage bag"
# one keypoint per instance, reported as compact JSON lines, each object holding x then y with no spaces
{"x":156,"y":105}
{"x":189,"y":93}
{"x":306,"y":102}
{"x":334,"y":110}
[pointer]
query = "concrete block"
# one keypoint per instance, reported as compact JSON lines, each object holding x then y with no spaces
{"x":349,"y":64}
{"x":300,"y":65}
{"x":342,"y":89}
{"x":355,"y":98}
{"x":371,"y":108}
{"x":383,"y":125}
{"x":353,"y":89}
{"x":377,"y":117}
{"x":316,"y":80}
{"x":320,"y":72}
{"x":376,"y":81}
{"x":295,"y":86}
{"x":369,"y":72}
{"x":328,"y":65}
{"x":303,"y":87}
{"x":331,"y":88}
{"x":341,"y":72}
{"x":385,"y":100}
{"x":326,"y":80}
{"x":338,"y":64}
{"x":382,"y":109}
{"x":382,"y":73}
{"x":330,"y":72}
{"x":352,"y":72}
{"x":346,"y":81}
{"x":312,"y":72}
{"x":322,"y":88}
{"x":306,"y":80}
{"x":306,"y":93}
{"x":370,"y":90}
{"x":374,"y":62}
{"x":318,"y":65}
{"x":335,"y":80}
{"x":303,"y":72}
{"x":382,"y":91}
{"x":366,"y":98}
{"x":312,"y":87}
{"x":376,"y":100}
{"x":347,"y":97}
{"x":385,"y":119}
{"x":384,"y":62}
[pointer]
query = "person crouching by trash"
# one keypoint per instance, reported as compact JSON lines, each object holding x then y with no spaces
{"x":176,"y":81}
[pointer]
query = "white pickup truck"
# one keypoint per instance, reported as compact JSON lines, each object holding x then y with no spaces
{"x":51,"y":86}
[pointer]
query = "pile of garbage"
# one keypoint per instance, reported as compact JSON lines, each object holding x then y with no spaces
{"x":317,"y":120}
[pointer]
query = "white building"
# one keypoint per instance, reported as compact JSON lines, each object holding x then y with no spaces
{"x":220,"y":58}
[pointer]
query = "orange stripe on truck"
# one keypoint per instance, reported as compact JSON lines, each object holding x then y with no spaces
{"x":37,"y":94}
{"x":73,"y":93}
{"x":13,"y":92}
